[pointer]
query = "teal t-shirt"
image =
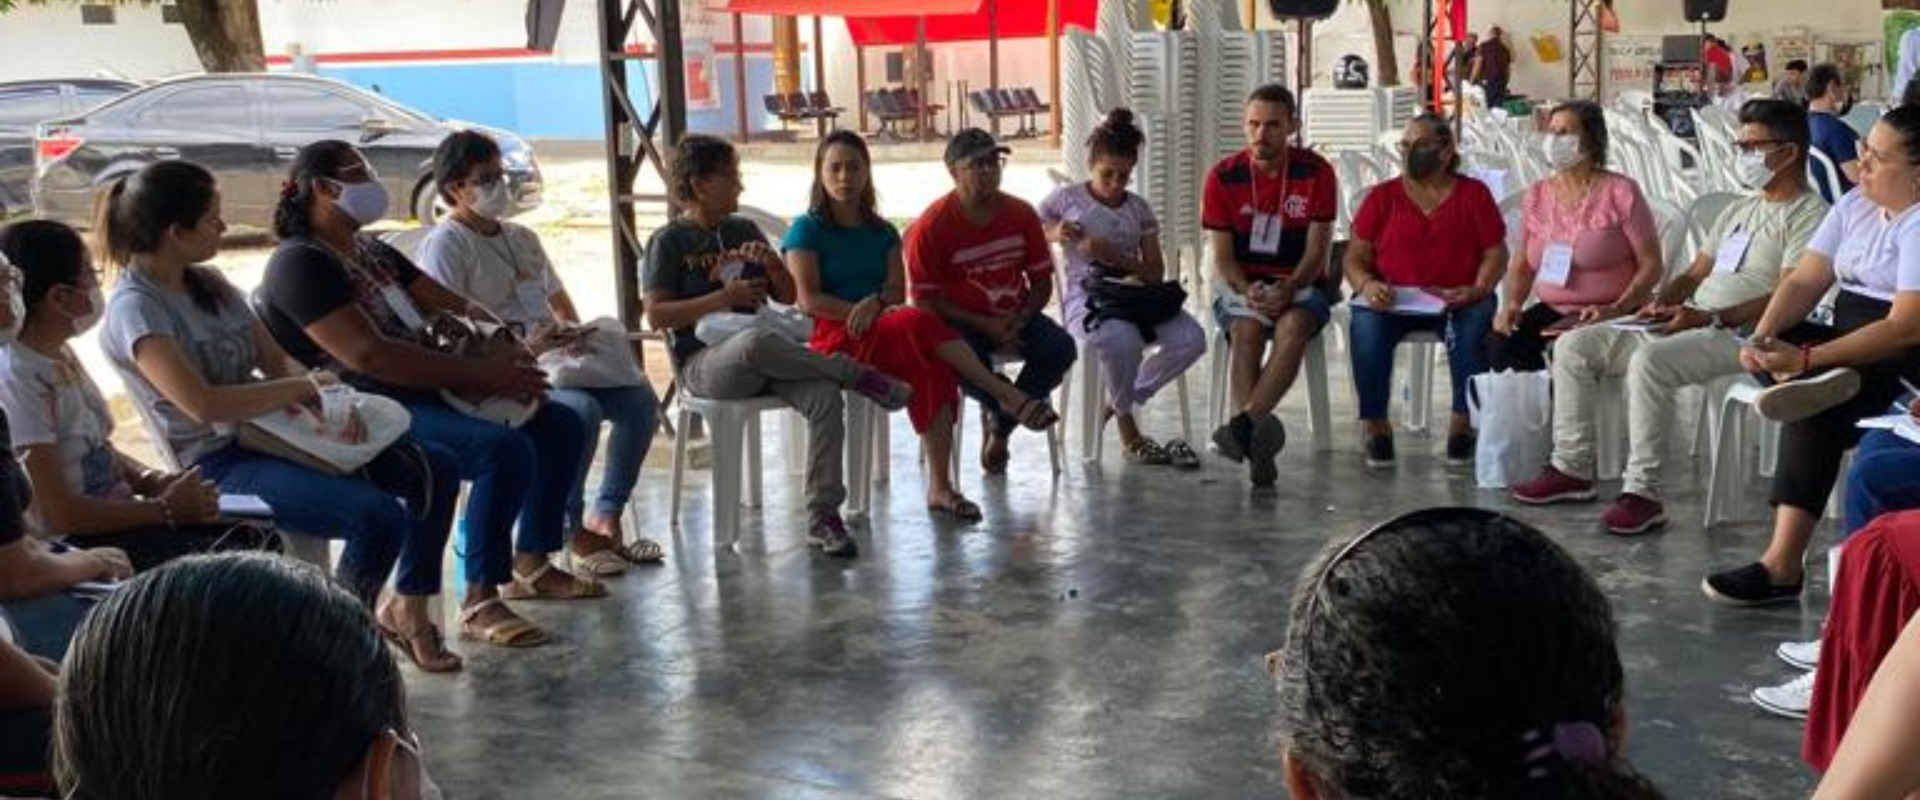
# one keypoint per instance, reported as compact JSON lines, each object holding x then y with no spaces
{"x":853,"y":261}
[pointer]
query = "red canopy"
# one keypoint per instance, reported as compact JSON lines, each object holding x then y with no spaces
{"x":896,"y":22}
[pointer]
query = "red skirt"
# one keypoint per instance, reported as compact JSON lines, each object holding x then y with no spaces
{"x":901,"y":343}
{"x":1876,"y":593}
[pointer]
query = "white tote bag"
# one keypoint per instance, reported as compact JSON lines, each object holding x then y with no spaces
{"x":602,"y":359}
{"x":303,"y":438}
{"x":1513,"y":412}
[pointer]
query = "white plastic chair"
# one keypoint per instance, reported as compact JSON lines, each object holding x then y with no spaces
{"x":1733,"y":469}
{"x":1054,"y":456}
{"x":1314,"y":365}
{"x":867,"y":447}
{"x":1828,"y":174}
{"x":1092,"y":411}
{"x":733,"y":436}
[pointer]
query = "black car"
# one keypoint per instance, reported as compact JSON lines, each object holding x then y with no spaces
{"x":246,"y":129}
{"x":23,"y":105}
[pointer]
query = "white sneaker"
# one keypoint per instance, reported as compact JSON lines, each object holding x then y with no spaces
{"x":1799,"y":655}
{"x":1790,"y":699}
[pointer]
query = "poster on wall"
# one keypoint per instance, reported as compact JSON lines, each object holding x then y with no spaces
{"x":700,"y":28}
{"x":1628,"y":62}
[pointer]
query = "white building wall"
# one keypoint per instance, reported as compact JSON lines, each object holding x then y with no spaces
{"x":49,"y":42}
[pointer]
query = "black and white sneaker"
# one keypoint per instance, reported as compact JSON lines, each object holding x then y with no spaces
{"x":1748,"y":586}
{"x":1798,"y":399}
{"x":1379,"y":449}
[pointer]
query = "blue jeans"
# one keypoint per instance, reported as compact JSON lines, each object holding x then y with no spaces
{"x":400,"y":511}
{"x":1047,"y":353}
{"x":1375,"y":335}
{"x":1885,"y":477}
{"x":634,"y":412}
{"x":44,"y":626}
{"x":519,"y":474}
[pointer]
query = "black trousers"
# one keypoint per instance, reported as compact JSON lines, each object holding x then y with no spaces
{"x":1525,"y":350}
{"x":1811,"y":449}
{"x":150,"y":547}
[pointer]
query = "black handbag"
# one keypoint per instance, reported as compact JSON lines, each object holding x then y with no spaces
{"x":1143,"y":305}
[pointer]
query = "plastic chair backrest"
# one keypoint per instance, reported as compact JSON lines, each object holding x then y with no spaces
{"x":978,"y":99}
{"x":819,"y":101}
{"x":1704,"y":214}
{"x":1823,"y":173}
{"x":773,"y":104}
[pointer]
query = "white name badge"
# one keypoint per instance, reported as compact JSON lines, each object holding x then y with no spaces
{"x":1732,"y":251}
{"x":1556,"y":264}
{"x":402,"y":306}
{"x":1265,"y":236}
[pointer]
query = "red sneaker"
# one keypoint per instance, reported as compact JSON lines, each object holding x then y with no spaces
{"x":1552,"y":486}
{"x":1632,"y":515}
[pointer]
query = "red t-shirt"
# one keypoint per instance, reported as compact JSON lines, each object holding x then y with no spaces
{"x":1443,"y":250}
{"x":1302,"y":194}
{"x":985,"y":269}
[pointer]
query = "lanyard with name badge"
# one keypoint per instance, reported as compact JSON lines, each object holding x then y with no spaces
{"x":1264,"y":238}
{"x":392,"y":293}
{"x":1732,"y":251}
{"x":528,"y":288}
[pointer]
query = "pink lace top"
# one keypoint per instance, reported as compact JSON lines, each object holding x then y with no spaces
{"x":1604,"y":228}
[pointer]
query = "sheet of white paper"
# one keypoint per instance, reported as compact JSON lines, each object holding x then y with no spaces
{"x":244,"y":505}
{"x":1635,"y":324}
{"x":1102,"y":223}
{"x":1414,"y":300}
{"x":1907,"y":428}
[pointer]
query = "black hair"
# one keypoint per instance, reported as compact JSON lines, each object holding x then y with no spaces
{"x":135,"y":212}
{"x":1821,"y":78}
{"x":1442,"y":133}
{"x":1420,"y":658}
{"x":1785,"y":122}
{"x":458,"y":155}
{"x":1905,"y":122}
{"x":819,"y":203}
{"x":1117,"y":136}
{"x":1274,"y":93}
{"x":1797,"y":65}
{"x":293,"y":214}
{"x":226,"y":676}
{"x":698,"y":156}
{"x":1910,"y":95}
{"x":48,"y":254}
{"x":1593,"y":128}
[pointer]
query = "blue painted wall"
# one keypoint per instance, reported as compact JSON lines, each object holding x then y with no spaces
{"x":546,"y":100}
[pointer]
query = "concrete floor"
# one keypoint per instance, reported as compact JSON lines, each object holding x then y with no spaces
{"x":1099,"y":637}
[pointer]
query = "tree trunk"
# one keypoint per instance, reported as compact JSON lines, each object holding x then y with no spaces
{"x":1387,"y":65}
{"x":225,"y":34}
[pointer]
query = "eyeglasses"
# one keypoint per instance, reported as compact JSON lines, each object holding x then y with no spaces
{"x":1754,"y":145}
{"x":1870,"y":157}
{"x":1420,"y":518}
{"x":1434,"y":144}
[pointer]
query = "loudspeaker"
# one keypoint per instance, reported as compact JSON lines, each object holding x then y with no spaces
{"x":1706,"y":10}
{"x":1309,"y":9}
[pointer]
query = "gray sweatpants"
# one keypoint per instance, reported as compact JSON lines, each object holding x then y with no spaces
{"x":759,"y":362}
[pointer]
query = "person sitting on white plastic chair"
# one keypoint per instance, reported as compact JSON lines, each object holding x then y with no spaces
{"x":1686,"y":335}
{"x":850,"y":277}
{"x":1269,"y":212}
{"x":712,"y":261}
{"x":1440,"y":235}
{"x":1111,"y":235}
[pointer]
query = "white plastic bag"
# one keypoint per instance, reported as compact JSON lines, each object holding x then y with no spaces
{"x":1513,"y":413}
{"x":603,"y":359}
{"x":720,"y":326}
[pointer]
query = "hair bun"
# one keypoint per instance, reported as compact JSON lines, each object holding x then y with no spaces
{"x":1119,"y":119}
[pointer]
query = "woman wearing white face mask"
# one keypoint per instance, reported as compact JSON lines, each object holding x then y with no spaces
{"x":501,"y":266}
{"x":307,"y":704}
{"x":336,"y":297}
{"x":35,"y":577}
{"x":85,"y":489}
{"x":1590,"y":249}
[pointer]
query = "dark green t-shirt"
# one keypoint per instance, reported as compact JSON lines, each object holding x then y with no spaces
{"x":689,"y":260}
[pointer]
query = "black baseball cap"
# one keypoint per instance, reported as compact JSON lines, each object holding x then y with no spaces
{"x":970,"y":144}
